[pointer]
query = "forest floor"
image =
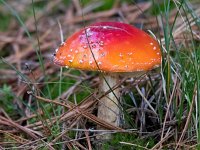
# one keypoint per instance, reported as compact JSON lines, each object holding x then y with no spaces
{"x":44,"y":106}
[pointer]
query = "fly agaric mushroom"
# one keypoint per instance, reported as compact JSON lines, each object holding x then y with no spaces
{"x":113,"y":48}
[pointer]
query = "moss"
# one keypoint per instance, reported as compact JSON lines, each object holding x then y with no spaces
{"x":135,"y":142}
{"x":5,"y":21}
{"x":6,"y":100}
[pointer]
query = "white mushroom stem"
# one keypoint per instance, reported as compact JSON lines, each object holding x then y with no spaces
{"x":108,"y":108}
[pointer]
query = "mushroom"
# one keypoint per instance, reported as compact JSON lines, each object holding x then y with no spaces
{"x":115,"y":49}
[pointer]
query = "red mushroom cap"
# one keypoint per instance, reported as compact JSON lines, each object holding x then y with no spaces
{"x":109,"y":47}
